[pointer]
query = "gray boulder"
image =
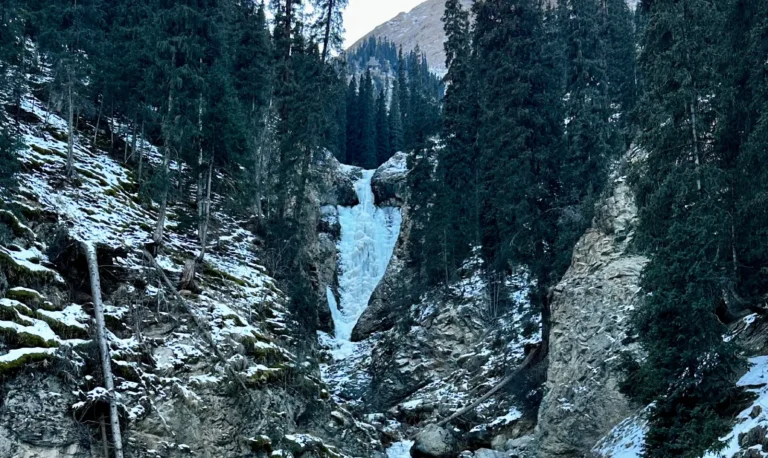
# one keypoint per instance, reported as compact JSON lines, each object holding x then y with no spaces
{"x":434,"y":442}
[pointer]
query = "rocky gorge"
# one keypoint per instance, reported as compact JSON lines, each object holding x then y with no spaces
{"x":223,"y":371}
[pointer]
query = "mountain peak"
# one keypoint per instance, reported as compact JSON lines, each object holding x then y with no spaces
{"x":421,"y":26}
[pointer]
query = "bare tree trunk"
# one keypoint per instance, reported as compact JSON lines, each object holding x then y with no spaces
{"x":695,"y":144}
{"x":141,"y":155}
{"x":160,"y":226}
{"x":104,"y":440}
{"x":134,"y":140}
{"x":98,"y":311}
{"x":98,"y":122}
{"x":70,"y":169}
{"x":206,"y":217}
{"x":526,"y":362}
{"x":328,"y":26}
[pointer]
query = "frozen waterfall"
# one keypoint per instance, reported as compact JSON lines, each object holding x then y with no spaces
{"x":368,"y":237}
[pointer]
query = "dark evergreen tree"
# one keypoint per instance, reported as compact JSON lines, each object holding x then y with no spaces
{"x":686,"y":224}
{"x":395,"y":120}
{"x":367,"y":113}
{"x":456,"y":216}
{"x":519,"y":141}
{"x":619,"y":45}
{"x":383,"y":148}
{"x":354,"y":124}
{"x":330,"y":23}
{"x":592,"y":141}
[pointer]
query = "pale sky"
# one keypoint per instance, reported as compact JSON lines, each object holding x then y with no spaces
{"x":362,"y":16}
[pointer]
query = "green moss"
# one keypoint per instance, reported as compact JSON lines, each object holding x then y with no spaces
{"x":20,"y":339}
{"x":7,"y":367}
{"x":264,"y":377}
{"x":28,"y":297}
{"x":62,"y":330}
{"x":211,"y":271}
{"x":58,"y":135}
{"x":47,"y":152}
{"x":19,"y":229}
{"x":87,"y":173}
{"x":20,"y":275}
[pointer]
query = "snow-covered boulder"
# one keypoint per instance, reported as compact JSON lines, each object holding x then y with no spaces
{"x":389,"y":182}
{"x":434,"y":442}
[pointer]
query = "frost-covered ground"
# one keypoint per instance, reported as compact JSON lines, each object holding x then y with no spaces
{"x":626,"y":440}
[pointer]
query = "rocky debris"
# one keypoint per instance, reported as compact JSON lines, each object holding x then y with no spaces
{"x":333,"y":181}
{"x":755,"y":436}
{"x":434,"y":442}
{"x":591,"y":307}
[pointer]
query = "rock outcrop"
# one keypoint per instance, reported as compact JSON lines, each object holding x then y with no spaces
{"x":434,"y":442}
{"x":591,"y":309}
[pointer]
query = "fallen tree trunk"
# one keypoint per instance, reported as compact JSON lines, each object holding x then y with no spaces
{"x":528,"y":361}
{"x":101,"y":338}
{"x":200,"y":325}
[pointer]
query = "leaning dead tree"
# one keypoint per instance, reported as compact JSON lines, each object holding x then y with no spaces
{"x":527,"y":362}
{"x":101,"y":338}
{"x":198,"y":322}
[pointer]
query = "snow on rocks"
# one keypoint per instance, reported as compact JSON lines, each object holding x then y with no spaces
{"x":749,"y":432}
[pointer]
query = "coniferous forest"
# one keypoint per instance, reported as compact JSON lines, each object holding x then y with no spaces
{"x":508,"y":153}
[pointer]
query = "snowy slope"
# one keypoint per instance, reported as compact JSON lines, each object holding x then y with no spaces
{"x":749,"y":432}
{"x":169,"y":384}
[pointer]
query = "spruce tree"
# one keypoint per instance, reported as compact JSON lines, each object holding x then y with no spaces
{"x":592,"y":141}
{"x":354,"y":125}
{"x":686,"y":226}
{"x":330,"y":23}
{"x":382,"y":129}
{"x":519,"y":141}
{"x":619,"y":44}
{"x":457,"y":211}
{"x":395,"y":120}
{"x":367,"y":113}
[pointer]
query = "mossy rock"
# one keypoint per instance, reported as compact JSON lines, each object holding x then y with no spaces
{"x":260,"y":444}
{"x":47,"y":152}
{"x":10,"y":310}
{"x":261,"y":377}
{"x":63,"y":330}
{"x":16,"y":338}
{"x":211,"y":271}
{"x":19,"y":229}
{"x":25,"y":356}
{"x":22,"y":275}
{"x":26,"y":296}
{"x":126,"y":371}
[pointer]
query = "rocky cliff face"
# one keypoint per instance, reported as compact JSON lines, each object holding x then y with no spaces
{"x":421,"y":26}
{"x":590,"y":312}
